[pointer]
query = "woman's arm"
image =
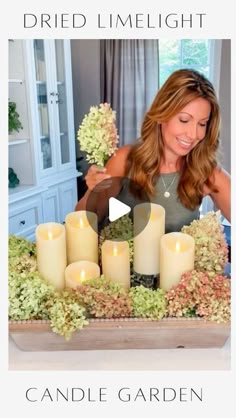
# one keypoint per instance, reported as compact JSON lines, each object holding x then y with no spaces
{"x":222,"y":199}
{"x":115,"y":167}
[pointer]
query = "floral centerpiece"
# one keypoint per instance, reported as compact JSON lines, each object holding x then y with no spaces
{"x":97,"y":134}
{"x":204,"y":292}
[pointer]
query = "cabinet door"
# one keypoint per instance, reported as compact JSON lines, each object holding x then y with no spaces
{"x":64,"y":104}
{"x":44,"y":101}
{"x":52,"y":64}
{"x":67,"y":198}
{"x":51,"y":205}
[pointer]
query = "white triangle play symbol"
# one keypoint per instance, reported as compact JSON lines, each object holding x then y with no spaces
{"x":117,"y":209}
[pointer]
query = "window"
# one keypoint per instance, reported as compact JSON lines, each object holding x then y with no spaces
{"x":202,"y":55}
{"x":184,"y":53}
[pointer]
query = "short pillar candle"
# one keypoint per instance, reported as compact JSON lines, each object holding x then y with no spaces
{"x":81,"y":236}
{"x":177,"y":251}
{"x":116,"y":262}
{"x":79,"y":271}
{"x":51,"y":253}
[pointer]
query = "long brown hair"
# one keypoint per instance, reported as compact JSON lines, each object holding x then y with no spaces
{"x":146,"y":155}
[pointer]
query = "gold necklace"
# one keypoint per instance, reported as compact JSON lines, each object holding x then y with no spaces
{"x":167,"y":193}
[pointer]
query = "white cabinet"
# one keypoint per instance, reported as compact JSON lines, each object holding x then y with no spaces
{"x":42,"y":153}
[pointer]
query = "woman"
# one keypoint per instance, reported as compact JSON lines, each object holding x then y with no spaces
{"x":175,"y":160}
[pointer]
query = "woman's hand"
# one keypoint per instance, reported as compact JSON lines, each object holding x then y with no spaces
{"x":97,"y":178}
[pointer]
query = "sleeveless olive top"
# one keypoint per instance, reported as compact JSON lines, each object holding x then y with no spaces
{"x":176,"y":215}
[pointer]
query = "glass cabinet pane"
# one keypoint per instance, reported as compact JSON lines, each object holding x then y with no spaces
{"x":62,"y":102}
{"x":41,"y":84}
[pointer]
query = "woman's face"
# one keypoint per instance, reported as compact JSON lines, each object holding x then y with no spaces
{"x":187,"y":128}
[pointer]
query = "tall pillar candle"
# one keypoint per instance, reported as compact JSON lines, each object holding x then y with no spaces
{"x":147,"y":242}
{"x":116,"y":262}
{"x":51,"y":253}
{"x":81,"y":236}
{"x":79,"y":271}
{"x":176,"y":257}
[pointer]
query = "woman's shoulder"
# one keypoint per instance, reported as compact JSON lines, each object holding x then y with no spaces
{"x":219,"y":178}
{"x":124,"y":151}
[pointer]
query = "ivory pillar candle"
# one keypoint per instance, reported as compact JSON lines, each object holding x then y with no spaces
{"x":79,"y":271}
{"x":177,"y":252}
{"x":116,"y":262}
{"x":51,"y":253}
{"x":81,"y":236}
{"x":149,"y":218}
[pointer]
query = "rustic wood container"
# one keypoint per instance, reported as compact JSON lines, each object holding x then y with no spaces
{"x":122,"y":334}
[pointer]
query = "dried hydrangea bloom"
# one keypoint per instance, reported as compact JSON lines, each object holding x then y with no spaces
{"x":66,"y":315}
{"x":211,"y":250}
{"x":202,"y":294}
{"x":97,"y":134}
{"x":104,"y":299}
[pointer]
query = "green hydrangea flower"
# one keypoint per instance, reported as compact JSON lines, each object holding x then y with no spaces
{"x":148,"y":303}
{"x":66,"y":315}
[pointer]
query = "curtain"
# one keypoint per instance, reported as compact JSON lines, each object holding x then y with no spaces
{"x":129,"y":82}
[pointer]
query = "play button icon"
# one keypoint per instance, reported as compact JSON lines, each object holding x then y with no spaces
{"x":117,"y":209}
{"x":114,"y":200}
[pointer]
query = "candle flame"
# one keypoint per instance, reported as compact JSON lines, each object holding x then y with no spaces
{"x":50,"y":236}
{"x":115,"y":251}
{"x":82,"y":275}
{"x":177,"y":247}
{"x":81,"y":223}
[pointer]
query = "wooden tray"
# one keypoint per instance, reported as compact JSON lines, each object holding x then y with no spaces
{"x":122,"y":334}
